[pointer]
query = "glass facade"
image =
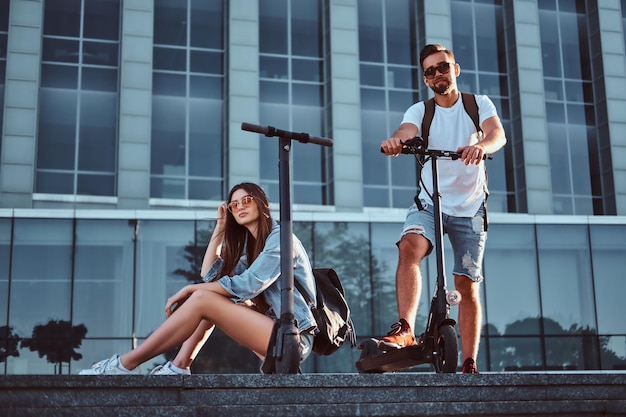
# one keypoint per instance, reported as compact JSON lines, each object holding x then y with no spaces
{"x":292,"y":94}
{"x":88,"y":85}
{"x":551,"y":300}
{"x":188,"y":100}
{"x":389,"y":74}
{"x":570,"y":102}
{"x":77,"y":141}
{"x":484,"y":70}
{"x":4,"y":30}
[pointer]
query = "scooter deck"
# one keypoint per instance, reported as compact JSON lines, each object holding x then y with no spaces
{"x":376,"y":361}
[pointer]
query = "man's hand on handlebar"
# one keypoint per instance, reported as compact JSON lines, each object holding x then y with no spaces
{"x":392,"y":146}
{"x":471,"y":154}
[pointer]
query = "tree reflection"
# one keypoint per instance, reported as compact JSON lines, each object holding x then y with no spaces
{"x":56,"y":340}
{"x":193,"y":253}
{"x":522,"y":347}
{"x":9,"y":342}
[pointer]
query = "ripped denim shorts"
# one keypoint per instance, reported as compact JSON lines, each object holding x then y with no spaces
{"x":467,"y":237}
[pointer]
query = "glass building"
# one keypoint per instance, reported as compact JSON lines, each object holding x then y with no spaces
{"x":121,"y":134}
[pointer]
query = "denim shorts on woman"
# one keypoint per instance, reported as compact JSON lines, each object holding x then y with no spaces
{"x":467,"y":237}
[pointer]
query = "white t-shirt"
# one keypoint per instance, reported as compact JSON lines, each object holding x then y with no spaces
{"x":462,"y":187}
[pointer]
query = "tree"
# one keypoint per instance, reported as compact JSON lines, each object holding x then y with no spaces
{"x":56,"y":340}
{"x":193,"y":254}
{"x":8,"y":343}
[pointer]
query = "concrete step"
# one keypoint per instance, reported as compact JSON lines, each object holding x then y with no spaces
{"x":316,"y":395}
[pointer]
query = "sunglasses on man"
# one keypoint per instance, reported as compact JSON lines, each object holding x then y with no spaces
{"x":442,"y":67}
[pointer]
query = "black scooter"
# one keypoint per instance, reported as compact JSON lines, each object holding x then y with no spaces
{"x":438,"y":344}
{"x":283,"y":356}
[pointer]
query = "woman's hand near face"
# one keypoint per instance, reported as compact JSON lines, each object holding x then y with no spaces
{"x":222,"y":212}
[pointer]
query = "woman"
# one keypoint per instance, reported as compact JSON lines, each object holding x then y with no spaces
{"x":240,"y":293}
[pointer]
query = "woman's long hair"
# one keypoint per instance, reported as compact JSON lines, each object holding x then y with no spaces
{"x":237,"y":237}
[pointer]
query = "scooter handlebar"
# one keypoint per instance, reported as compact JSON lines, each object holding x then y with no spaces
{"x":301,"y":137}
{"x":415,"y":146}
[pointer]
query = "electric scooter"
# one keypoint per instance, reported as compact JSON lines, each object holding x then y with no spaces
{"x":283,"y":356}
{"x":438,"y":344}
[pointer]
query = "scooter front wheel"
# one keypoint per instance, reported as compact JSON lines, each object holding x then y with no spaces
{"x":447,"y":349}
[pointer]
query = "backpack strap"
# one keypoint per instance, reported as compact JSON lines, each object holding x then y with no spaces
{"x":429,"y":113}
{"x":471,"y":108}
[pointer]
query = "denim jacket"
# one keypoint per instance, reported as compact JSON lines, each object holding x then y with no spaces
{"x":263,"y":276}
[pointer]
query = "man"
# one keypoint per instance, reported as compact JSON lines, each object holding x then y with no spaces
{"x":463,"y":189}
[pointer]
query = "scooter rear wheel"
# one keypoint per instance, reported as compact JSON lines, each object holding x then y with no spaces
{"x":447,"y":348}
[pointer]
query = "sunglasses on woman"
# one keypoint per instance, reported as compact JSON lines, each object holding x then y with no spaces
{"x":245,"y":201}
{"x":442,"y":67}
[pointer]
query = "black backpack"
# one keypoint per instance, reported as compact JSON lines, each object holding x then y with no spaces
{"x":331,"y":313}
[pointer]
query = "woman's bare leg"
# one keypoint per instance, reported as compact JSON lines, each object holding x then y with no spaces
{"x":191,"y":347}
{"x":246,"y":326}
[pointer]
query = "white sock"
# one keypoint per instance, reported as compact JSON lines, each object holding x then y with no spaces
{"x":119,"y":365}
{"x":176,"y":368}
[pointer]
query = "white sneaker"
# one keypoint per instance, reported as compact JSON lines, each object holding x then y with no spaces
{"x":168,"y":369}
{"x":111,"y":366}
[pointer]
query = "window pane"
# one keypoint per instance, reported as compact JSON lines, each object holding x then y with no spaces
{"x":565,"y":270}
{"x":170,"y":17}
{"x":306,"y":28}
{"x":161,"y":251}
{"x":100,"y":53}
{"x":370,"y":31}
{"x":515,"y":354}
{"x":95,"y":184}
{"x":571,"y":352}
{"x":57,"y":129}
{"x":307,"y":69}
{"x":37,"y":243}
{"x":169,"y":85}
{"x":173,"y":59}
{"x":168,"y":136}
{"x":608,"y":246}
{"x":400,"y":32}
{"x":102,"y":19}
{"x":62,"y":18}
{"x":205,"y":190}
{"x":51,"y":182}
{"x":273,"y":67}
{"x":511,"y":249}
{"x":104,"y":277}
{"x":273,"y":26}
{"x":463,"y":35}
{"x":59,"y":76}
{"x":60,"y":50}
{"x":274,"y":92}
{"x":205,"y":87}
{"x":206,"y":62}
{"x":207,"y":24}
{"x":5,"y":248}
{"x":98,"y":126}
{"x":99,"y":79}
{"x":205,"y":138}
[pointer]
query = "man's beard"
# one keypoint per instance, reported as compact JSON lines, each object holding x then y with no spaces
{"x":442,"y":88}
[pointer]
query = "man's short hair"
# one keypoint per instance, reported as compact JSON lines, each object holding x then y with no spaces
{"x":433,"y":48}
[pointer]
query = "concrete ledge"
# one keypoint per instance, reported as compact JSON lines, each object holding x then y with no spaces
{"x":316,"y":395}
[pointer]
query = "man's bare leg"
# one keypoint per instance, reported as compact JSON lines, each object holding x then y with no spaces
{"x":470,"y":315}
